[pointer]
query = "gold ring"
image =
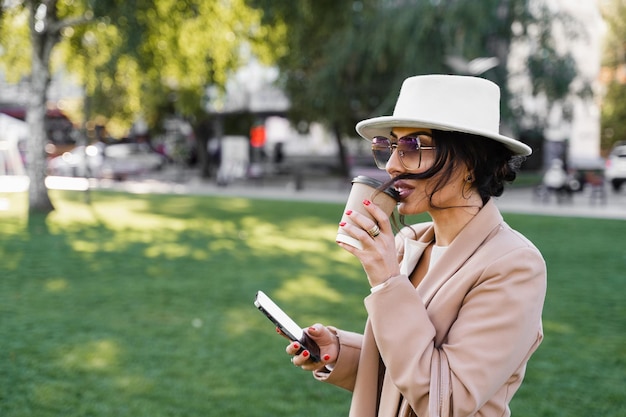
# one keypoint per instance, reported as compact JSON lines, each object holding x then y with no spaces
{"x":374,"y":231}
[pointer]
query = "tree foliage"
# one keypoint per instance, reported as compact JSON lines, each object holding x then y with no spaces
{"x":613,"y":115}
{"x":146,"y":57}
{"x":14,"y":40}
{"x":346,"y":60}
{"x":136,"y":57}
{"x":139,"y":58}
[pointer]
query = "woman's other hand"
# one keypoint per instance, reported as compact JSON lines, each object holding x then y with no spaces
{"x":327,"y":342}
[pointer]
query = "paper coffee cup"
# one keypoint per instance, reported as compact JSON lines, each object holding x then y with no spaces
{"x":366,"y":188}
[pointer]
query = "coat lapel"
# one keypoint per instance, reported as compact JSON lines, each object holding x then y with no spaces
{"x":463,"y":246}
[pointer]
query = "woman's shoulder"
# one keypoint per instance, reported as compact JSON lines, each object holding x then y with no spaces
{"x":507,"y":240}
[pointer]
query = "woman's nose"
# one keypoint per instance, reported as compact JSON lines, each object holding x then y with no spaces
{"x":393,"y":166}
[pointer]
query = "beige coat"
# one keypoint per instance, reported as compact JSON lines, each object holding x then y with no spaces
{"x":459,"y":344}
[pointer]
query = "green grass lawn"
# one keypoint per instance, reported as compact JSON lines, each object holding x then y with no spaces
{"x":141,"y":305}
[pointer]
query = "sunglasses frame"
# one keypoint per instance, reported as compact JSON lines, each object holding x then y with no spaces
{"x":393,"y":146}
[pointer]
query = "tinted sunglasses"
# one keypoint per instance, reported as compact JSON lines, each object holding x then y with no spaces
{"x":409,"y":150}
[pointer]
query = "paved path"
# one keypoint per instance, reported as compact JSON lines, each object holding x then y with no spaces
{"x":321,"y":189}
{"x":514,"y":200}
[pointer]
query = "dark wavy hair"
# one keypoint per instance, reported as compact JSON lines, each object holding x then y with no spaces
{"x":490,"y":163}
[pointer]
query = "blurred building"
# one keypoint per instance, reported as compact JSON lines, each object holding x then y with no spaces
{"x":573,"y":126}
{"x":252,"y":91}
{"x":12,"y":133}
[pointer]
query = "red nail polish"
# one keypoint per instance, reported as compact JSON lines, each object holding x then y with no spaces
{"x":305,"y":353}
{"x":326,"y":357}
{"x":277,"y":330}
{"x":366,"y":202}
{"x":348,"y":212}
{"x":342,"y":224}
{"x":296,"y":345}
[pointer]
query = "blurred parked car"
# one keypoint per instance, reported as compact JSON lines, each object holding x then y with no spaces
{"x":126,"y":159}
{"x":59,"y":129}
{"x":615,"y":170}
{"x":73,"y":163}
{"x":117,"y":161}
{"x":585,"y":172}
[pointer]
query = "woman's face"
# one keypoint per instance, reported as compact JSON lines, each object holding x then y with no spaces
{"x":415,"y":194}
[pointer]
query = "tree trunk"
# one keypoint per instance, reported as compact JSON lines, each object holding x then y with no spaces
{"x":42,"y":43}
{"x":204,"y":131}
{"x":344,"y":165}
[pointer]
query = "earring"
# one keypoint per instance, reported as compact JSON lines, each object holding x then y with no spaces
{"x":467,"y":184}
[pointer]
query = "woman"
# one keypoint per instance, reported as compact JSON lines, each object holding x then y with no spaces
{"x":455,"y":307}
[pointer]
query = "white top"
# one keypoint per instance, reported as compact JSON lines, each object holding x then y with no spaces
{"x":412,"y":252}
{"x":435,"y":254}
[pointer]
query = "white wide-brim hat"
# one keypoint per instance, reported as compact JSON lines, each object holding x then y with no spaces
{"x":446,"y":102}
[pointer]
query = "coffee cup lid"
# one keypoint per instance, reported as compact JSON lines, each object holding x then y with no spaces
{"x":374,"y":183}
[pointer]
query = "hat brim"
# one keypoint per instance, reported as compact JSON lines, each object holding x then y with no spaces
{"x":381,"y":126}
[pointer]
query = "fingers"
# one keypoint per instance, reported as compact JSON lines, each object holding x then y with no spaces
{"x":379,"y":215}
{"x":378,"y":250}
{"x":323,"y":337}
{"x":363,"y":227}
{"x":280,"y":332}
{"x":302,"y":358}
{"x":329,"y":348}
{"x":294,"y":348}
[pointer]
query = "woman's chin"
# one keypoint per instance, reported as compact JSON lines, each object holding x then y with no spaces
{"x":408,"y":207}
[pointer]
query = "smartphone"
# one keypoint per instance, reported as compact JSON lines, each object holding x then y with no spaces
{"x":285,"y":323}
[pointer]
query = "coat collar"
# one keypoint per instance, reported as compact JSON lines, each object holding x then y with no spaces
{"x":462,"y":247}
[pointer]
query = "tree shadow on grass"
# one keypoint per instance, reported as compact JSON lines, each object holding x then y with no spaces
{"x":145,"y":303}
{"x":37,"y":224}
{"x":148,"y":300}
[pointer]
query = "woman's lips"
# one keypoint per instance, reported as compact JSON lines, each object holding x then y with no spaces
{"x":404,"y":189}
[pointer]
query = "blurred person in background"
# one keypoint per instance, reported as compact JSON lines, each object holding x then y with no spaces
{"x":556,"y":180}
